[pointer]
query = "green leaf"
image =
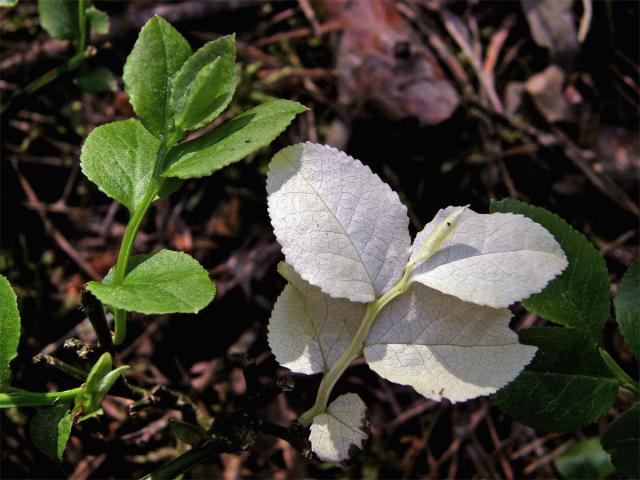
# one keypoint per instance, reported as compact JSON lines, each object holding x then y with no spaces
{"x":9,"y":331}
{"x":585,"y":459}
{"x":204,"y":86}
{"x":99,"y":370}
{"x":157,"y":55}
{"x":627,"y":304}
{"x":99,"y":381}
{"x":59,"y":18}
{"x":163,"y":282}
{"x":566,"y":386}
{"x":8,"y":3}
{"x":233,"y":141}
{"x":50,"y":430}
{"x":119,"y":158}
{"x":188,"y":432}
{"x":97,"y":79}
{"x":98,"y":20}
{"x":622,"y":441}
{"x":578,"y":298}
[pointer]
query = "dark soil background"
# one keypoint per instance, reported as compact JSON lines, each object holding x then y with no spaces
{"x":450,"y":102}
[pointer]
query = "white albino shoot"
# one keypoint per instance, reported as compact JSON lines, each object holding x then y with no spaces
{"x":432,"y":315}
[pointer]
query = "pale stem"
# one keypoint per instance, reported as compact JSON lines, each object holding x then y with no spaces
{"x":355,"y":349}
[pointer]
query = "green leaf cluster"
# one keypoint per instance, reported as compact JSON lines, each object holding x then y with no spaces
{"x":138,"y":161}
{"x":572,"y":381}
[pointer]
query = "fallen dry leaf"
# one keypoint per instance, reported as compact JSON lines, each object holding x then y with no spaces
{"x":383,"y":62}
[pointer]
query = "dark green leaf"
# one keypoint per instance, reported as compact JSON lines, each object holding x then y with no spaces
{"x":232,"y":141}
{"x":98,"y":20}
{"x":188,"y":432}
{"x":204,"y":86}
{"x":566,"y":386}
{"x":9,"y":331}
{"x":622,"y":441}
{"x":164,"y":282}
{"x":50,"y":430}
{"x":59,"y":18}
{"x":97,"y":79}
{"x":578,"y":298}
{"x":157,"y":55}
{"x":119,"y":158}
{"x":627,"y":303}
{"x":585,"y":459}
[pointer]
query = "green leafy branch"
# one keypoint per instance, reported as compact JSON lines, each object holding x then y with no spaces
{"x":136,"y":162}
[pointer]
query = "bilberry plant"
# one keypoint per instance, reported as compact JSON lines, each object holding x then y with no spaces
{"x":139,"y":161}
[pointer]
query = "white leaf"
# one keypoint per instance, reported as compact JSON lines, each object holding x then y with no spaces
{"x":308,"y":330}
{"x":339,"y":429}
{"x":490,"y":259}
{"x":340,"y":226}
{"x":444,"y":347}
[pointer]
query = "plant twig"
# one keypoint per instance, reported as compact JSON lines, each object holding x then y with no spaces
{"x":95,"y":312}
{"x":64,"y":367}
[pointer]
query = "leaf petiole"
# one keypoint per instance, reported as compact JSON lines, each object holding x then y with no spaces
{"x":623,"y":377}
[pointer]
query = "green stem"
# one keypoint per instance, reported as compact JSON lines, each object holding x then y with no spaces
{"x":64,"y":367}
{"x":24,"y":398}
{"x":126,"y":247}
{"x":82,"y":26}
{"x":188,"y":460}
{"x":129,"y":237}
{"x":623,"y":377}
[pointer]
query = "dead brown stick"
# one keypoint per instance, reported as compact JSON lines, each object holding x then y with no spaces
{"x":298,"y":33}
{"x":495,"y":46}
{"x":308,"y":11}
{"x":459,"y":32}
{"x":580,"y":157}
{"x":546,"y":459}
{"x":498,"y":444}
